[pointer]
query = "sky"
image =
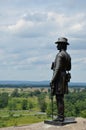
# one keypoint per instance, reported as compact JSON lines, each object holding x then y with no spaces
{"x":28,"y":32}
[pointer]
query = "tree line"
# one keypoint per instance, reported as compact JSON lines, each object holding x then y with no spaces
{"x":75,"y":102}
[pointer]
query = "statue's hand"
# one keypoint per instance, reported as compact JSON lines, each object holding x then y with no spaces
{"x":51,"y":83}
{"x":52,"y":88}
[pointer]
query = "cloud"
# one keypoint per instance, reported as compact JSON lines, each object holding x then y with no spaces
{"x":47,"y":24}
{"x":78,"y":59}
{"x":35,"y":16}
{"x":28,"y":30}
{"x":37,"y":31}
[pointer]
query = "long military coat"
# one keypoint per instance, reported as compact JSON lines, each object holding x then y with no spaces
{"x":62,"y":64}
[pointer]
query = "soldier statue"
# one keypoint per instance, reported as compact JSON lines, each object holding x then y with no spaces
{"x":61,"y":76}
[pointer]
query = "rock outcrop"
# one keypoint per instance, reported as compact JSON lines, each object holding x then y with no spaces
{"x":80,"y":125}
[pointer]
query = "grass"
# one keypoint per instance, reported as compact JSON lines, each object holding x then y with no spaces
{"x":20,"y":117}
{"x":21,"y":120}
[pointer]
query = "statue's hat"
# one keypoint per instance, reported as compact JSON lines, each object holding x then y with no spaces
{"x":62,"y":40}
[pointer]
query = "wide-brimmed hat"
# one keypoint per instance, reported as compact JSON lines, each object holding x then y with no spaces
{"x":62,"y":40}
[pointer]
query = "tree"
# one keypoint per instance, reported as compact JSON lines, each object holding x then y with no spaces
{"x":83,"y":114}
{"x":15,"y":93}
{"x":12,"y":105}
{"x":3,"y":100}
{"x":42,"y":103}
{"x":24,"y":104}
{"x":30,"y":105}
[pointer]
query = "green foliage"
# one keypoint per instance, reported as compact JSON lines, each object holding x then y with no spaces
{"x":2,"y":124}
{"x":15,"y":93}
{"x":12,"y":105}
{"x":18,"y":104}
{"x":3,"y":100}
{"x":75,"y":103}
{"x":24,"y":104}
{"x":31,"y":105}
{"x":83,"y":113}
{"x":42,"y":103}
{"x":21,"y":120}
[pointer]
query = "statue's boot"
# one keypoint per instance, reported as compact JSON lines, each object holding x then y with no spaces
{"x":59,"y":118}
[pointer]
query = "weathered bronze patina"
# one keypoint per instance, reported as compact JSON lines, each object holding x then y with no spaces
{"x":61,"y":76}
{"x":59,"y":83}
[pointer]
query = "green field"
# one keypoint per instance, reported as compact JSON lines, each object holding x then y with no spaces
{"x":21,"y":117}
{"x":22,"y":106}
{"x":20,"y":120}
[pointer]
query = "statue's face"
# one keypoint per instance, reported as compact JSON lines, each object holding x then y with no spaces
{"x":59,"y":46}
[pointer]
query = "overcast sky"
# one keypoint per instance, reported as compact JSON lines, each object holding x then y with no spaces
{"x":28,"y":31}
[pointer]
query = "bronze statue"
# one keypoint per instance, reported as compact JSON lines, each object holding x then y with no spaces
{"x":61,"y":76}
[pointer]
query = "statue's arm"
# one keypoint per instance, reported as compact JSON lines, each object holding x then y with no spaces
{"x":69,"y":64}
{"x":57,"y":69}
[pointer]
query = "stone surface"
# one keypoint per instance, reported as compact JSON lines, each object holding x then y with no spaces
{"x":68,"y":120}
{"x":80,"y":125}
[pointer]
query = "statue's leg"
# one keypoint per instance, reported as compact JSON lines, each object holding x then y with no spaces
{"x":60,"y":106}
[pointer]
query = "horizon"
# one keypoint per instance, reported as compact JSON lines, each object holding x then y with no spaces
{"x":33,"y":81}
